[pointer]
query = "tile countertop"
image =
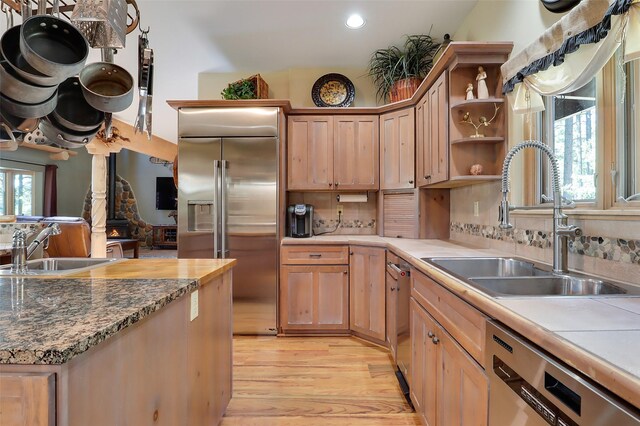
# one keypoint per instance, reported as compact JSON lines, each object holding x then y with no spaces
{"x":51,"y":320}
{"x":599,"y":336}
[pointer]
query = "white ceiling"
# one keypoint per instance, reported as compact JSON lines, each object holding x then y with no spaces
{"x":194,"y":36}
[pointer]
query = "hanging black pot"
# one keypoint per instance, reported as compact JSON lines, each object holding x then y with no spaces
{"x":73,"y":111}
{"x":53,"y":46}
{"x":10,"y":46}
{"x":559,"y":6}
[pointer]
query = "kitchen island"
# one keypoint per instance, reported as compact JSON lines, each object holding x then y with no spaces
{"x":133,"y":342}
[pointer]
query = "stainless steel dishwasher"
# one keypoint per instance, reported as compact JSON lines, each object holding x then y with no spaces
{"x":530,"y":388}
{"x":399,"y":273}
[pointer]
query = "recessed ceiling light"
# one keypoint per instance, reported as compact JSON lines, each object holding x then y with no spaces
{"x":355,"y":21}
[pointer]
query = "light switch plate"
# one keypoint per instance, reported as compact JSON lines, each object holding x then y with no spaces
{"x":194,"y":305}
{"x":476,"y":208}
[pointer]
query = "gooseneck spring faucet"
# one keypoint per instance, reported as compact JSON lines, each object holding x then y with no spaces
{"x":561,"y":229}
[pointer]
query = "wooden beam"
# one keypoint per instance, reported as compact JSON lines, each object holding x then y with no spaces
{"x":138,"y":142}
{"x":47,"y":148}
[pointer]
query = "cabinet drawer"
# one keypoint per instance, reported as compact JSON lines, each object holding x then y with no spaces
{"x":314,"y":255}
{"x":464,"y":322}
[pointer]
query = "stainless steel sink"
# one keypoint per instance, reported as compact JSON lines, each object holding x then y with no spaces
{"x":488,"y":267}
{"x":57,"y":266}
{"x":508,"y":277}
{"x":562,"y":285}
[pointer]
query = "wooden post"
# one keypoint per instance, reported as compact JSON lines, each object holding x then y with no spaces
{"x":100,"y":152}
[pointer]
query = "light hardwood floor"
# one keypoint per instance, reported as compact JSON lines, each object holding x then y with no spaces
{"x":314,"y":381}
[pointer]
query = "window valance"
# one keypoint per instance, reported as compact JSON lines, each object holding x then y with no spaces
{"x":568,"y":54}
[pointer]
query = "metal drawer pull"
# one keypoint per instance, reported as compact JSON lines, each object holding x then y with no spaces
{"x":395,"y":267}
{"x":315,"y":256}
{"x":435,"y":340}
{"x":430,"y":334}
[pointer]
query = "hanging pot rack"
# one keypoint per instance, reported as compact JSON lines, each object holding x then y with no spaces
{"x":66,"y":8}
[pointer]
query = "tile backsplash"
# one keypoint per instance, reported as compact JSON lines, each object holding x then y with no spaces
{"x":357,"y":219}
{"x":608,"y":247}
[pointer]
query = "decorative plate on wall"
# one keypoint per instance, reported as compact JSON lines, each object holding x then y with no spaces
{"x":333,"y":90}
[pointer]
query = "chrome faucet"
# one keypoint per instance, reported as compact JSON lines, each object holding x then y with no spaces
{"x":20,"y":252}
{"x":52,"y":229}
{"x":561,"y":229}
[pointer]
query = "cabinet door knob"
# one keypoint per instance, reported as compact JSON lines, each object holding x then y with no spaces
{"x":337,"y":183}
{"x":350,"y":253}
{"x":411,"y":182}
{"x":345,"y":272}
{"x":427,"y":177}
{"x":392,"y":288}
{"x":430,"y":334}
{"x":330,"y":184}
{"x":435,"y":340}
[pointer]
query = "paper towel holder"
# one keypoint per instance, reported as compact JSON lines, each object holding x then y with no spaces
{"x":353,"y":198}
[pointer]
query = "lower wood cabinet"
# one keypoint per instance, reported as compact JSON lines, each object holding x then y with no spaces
{"x":314,"y":297}
{"x":367,"y":291}
{"x":448,"y":388}
{"x":28,"y":399}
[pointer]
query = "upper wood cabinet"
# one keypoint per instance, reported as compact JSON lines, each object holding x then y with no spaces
{"x":310,"y":152}
{"x":447,"y":144}
{"x":333,"y":153}
{"x":356,"y":157}
{"x":397,"y":149}
{"x":367,"y":291}
{"x":432,"y":143}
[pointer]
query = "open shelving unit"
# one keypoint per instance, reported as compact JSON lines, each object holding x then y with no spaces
{"x":466,"y":149}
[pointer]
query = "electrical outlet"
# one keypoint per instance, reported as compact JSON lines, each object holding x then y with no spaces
{"x":476,"y":208}
{"x":340,"y":210}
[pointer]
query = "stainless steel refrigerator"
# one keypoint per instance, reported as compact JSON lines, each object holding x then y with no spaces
{"x":228,"y":203}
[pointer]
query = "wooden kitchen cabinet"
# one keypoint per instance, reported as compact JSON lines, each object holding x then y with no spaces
{"x":447,"y":386}
{"x":367,"y":291}
{"x":310,"y":153}
{"x":356,"y":164}
{"x":28,"y":399}
{"x":397,"y":149}
{"x":333,"y":153}
{"x":432,"y":143}
{"x":314,"y":297}
{"x":314,"y":288}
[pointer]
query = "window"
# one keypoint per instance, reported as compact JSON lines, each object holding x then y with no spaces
{"x":569,"y":127}
{"x":595,"y":133}
{"x":16,"y":192}
{"x":626,"y":172}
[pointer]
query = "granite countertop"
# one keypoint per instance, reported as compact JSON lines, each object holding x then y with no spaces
{"x":51,"y":320}
{"x":599,"y":336}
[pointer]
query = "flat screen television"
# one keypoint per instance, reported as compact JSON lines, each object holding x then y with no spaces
{"x":166,"y":194}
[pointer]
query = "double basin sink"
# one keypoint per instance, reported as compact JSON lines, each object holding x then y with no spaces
{"x":508,"y":277}
{"x":57,"y":266}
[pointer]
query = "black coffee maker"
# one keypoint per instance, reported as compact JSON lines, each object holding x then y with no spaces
{"x":300,"y":221}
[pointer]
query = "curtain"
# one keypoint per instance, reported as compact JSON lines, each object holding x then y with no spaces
{"x":571,"y":52}
{"x":50,"y":190}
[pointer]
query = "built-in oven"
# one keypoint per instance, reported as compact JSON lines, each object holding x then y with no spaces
{"x":399,"y":291}
{"x":528,"y":387}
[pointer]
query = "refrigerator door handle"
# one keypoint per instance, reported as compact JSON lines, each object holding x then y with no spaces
{"x":216,"y":207}
{"x":224,"y":185}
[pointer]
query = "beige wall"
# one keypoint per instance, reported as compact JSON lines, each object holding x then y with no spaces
{"x":294,"y":84}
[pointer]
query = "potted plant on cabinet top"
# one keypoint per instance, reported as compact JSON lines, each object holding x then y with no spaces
{"x":397,"y":72}
{"x":253,"y":87}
